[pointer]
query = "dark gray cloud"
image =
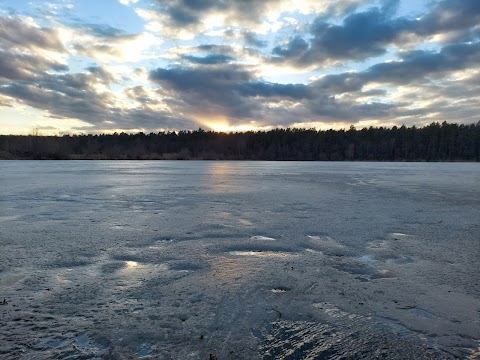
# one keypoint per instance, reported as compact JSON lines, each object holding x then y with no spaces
{"x":339,"y":83}
{"x":294,"y":49}
{"x":101,"y":74}
{"x":191,"y":12}
{"x":267,"y":90}
{"x":448,"y":15}
{"x":236,"y":92}
{"x":360,"y":36}
{"x":102,"y":30}
{"x":212,"y":59}
{"x":18,"y":66}
{"x":210,"y":89}
{"x":139,"y":94}
{"x":251,"y":39}
{"x":420,"y":66}
{"x":367,"y":34}
{"x":215,"y":48}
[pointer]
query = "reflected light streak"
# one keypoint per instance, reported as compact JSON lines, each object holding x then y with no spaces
{"x":221,"y":174}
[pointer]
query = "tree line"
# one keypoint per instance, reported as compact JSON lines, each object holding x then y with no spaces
{"x":434,"y":142}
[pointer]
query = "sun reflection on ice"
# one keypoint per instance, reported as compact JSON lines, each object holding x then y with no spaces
{"x":131,"y":264}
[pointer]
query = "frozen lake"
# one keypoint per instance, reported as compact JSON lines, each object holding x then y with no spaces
{"x":241,"y":260}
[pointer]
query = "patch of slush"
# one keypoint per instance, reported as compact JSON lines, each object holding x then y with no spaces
{"x":262,"y":238}
{"x":398,"y":236}
{"x":261,"y":253}
{"x":334,"y":311}
{"x":245,"y":222}
{"x":313,"y":251}
{"x":9,"y":218}
{"x":360,"y":268}
{"x":324,"y":240}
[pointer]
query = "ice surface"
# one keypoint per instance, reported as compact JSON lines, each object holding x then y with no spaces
{"x":241,"y":260}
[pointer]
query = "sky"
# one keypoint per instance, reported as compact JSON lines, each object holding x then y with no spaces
{"x":105,"y":66}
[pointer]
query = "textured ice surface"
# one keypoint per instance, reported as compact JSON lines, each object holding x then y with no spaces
{"x":241,"y":260}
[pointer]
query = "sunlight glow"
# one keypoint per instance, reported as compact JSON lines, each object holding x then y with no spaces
{"x":232,"y":128}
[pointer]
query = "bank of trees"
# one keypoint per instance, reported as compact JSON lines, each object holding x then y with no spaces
{"x":435,"y":142}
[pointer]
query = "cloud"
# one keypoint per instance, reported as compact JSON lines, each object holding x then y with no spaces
{"x":105,"y":43}
{"x":268,"y":90}
{"x":252,"y":40}
{"x":271,"y":63}
{"x":207,"y":90}
{"x":17,"y":66}
{"x":421,"y":65}
{"x":185,"y":19}
{"x":211,"y":59}
{"x":237,"y":93}
{"x":447,"y":16}
{"x":127,"y":2}
{"x":75,"y":96}
{"x":22,"y":33}
{"x":360,"y":36}
{"x":28,"y":50}
{"x":369,"y":33}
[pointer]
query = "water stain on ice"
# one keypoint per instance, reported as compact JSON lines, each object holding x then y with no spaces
{"x":422,"y":313}
{"x":10,"y":280}
{"x":364,"y":269}
{"x":87,"y":344}
{"x":394,"y":325}
{"x":384,"y":274}
{"x":402,"y":260}
{"x":51,"y":342}
{"x":367,"y":259}
{"x":144,"y":350}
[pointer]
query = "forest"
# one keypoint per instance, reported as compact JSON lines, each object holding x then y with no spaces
{"x":434,"y":142}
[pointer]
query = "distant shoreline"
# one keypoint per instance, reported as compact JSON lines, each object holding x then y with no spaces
{"x":246,"y":160}
{"x":433,"y":143}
